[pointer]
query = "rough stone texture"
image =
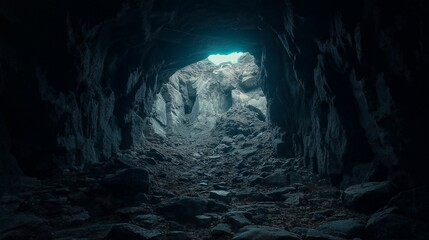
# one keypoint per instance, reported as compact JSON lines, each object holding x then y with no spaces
{"x":198,"y":94}
{"x":346,"y":85}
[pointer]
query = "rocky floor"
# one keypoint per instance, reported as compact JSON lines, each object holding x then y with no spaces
{"x":222,"y":184}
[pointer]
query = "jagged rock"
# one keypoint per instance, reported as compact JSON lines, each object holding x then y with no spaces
{"x":348,"y":228}
{"x":128,"y":181}
{"x":221,"y":195}
{"x":258,"y":232}
{"x":126,"y":231}
{"x":249,"y":82}
{"x":368,"y":197}
{"x":255,"y":180}
{"x":223,"y":148}
{"x":227,"y":140}
{"x":220,"y":186}
{"x":294,"y":198}
{"x":237,"y":220}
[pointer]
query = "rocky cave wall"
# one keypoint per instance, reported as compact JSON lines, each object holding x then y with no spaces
{"x":353,"y":87}
{"x":346,"y":82}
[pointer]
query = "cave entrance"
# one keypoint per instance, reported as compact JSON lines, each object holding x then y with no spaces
{"x":218,"y":99}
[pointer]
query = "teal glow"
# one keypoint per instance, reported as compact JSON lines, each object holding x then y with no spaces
{"x":218,"y":58}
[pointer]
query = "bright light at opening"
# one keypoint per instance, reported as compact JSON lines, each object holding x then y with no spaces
{"x":218,"y":59}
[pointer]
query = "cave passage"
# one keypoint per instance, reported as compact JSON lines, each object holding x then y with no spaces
{"x":118,"y":120}
{"x":207,"y":97}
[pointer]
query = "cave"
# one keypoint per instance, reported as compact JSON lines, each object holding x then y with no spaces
{"x":105,"y":131}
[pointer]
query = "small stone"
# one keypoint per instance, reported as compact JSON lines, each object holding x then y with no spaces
{"x":221,"y":229}
{"x":256,"y":232}
{"x":294,"y":198}
{"x":348,"y":228}
{"x":255,"y":180}
{"x":203,"y":220}
{"x":147,"y":219}
{"x":219,"y":187}
{"x":227,"y":140}
{"x":237,"y":220}
{"x":126,"y":231}
{"x":221,"y":195}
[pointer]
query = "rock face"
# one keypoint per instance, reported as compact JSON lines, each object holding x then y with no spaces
{"x":198,"y":94}
{"x":346,"y":88}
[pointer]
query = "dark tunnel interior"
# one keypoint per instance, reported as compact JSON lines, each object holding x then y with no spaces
{"x":115,"y":125}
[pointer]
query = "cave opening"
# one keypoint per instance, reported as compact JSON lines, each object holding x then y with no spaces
{"x":215,"y":107}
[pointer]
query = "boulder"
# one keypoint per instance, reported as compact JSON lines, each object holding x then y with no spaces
{"x":368,"y":197}
{"x":249,"y":82}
